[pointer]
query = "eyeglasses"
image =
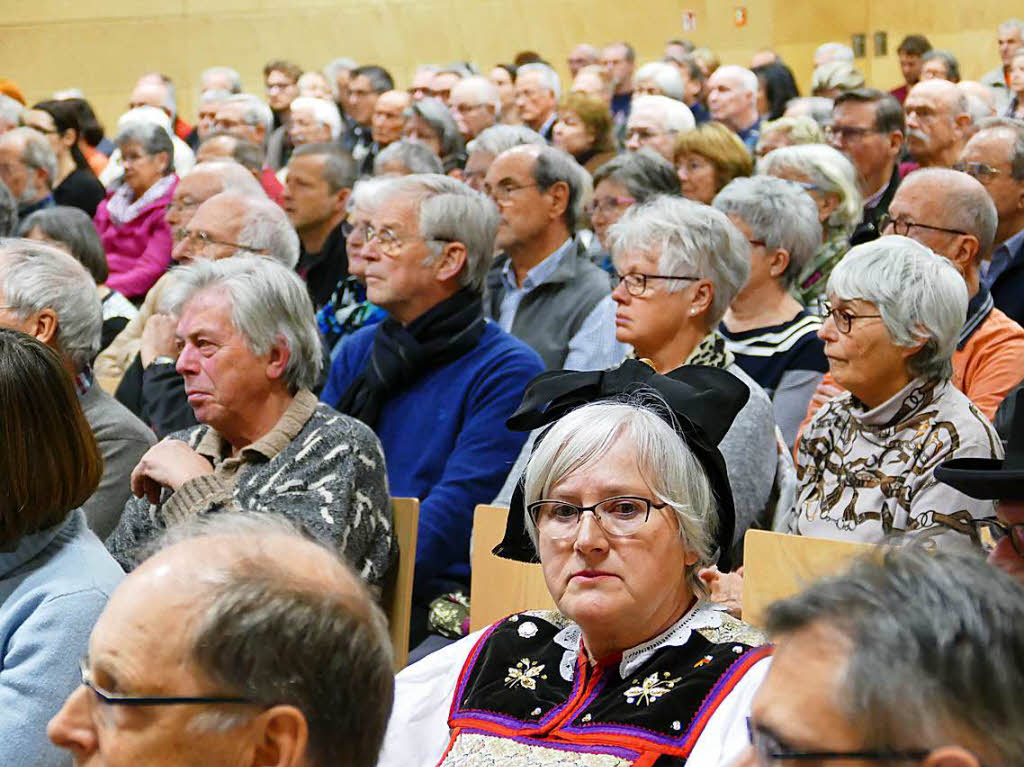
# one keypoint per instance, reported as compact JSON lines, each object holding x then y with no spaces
{"x":119,"y":699}
{"x":903,"y":225}
{"x":636,"y":283}
{"x":645,"y":134}
{"x":979,"y":170}
{"x":845,"y":134}
{"x":990,"y":531}
{"x":390,"y":244}
{"x":844,"y":318}
{"x":808,"y":186}
{"x":770,"y":750}
{"x":607,"y":204}
{"x":620,"y":516}
{"x":503,"y":192}
{"x":204,"y":239}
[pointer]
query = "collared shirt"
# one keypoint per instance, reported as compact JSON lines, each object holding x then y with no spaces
{"x":977,"y":311}
{"x":535,"y":277}
{"x":751,"y":134}
{"x":548,"y":126}
{"x":1002,"y":258}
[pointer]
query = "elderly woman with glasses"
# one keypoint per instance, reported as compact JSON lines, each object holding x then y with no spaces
{"x":623,"y":501}
{"x":866,"y":462}
{"x":680,"y":264}
{"x":831,"y":181}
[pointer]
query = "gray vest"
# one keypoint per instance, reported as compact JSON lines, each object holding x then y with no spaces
{"x":552,"y":313}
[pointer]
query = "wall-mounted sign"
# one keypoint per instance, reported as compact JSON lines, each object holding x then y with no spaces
{"x":739,"y":16}
{"x":689,"y":21}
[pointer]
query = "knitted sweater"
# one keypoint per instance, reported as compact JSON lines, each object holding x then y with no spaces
{"x":322,"y":470}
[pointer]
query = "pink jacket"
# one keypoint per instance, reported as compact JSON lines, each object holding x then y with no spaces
{"x":138,"y":251}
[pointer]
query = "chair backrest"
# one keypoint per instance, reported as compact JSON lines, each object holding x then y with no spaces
{"x":776,"y":565}
{"x":500,"y":587}
{"x":397,"y":598}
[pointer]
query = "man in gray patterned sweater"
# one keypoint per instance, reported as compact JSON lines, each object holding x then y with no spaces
{"x":249,"y":354}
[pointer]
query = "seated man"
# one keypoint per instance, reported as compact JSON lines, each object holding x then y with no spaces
{"x":249,"y":354}
{"x":491,"y":142}
{"x":732,"y":100}
{"x":655,"y":122}
{"x":910,"y":659}
{"x":41,"y":293}
{"x":284,"y":645}
{"x":248,"y":154}
{"x":435,"y":380}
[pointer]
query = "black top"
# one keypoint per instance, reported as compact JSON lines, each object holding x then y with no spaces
{"x":80,"y":190}
{"x":323,"y":271}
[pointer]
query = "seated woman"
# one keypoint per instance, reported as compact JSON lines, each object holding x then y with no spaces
{"x":866,"y":462}
{"x":680,"y":264}
{"x":831,"y":181}
{"x":709,"y":157}
{"x":55,"y":575}
{"x":788,"y":131}
{"x":130,"y":222}
{"x":775,"y":340}
{"x":71,"y":230}
{"x":431,"y":123}
{"x":630,"y":179}
{"x":621,"y":502}
{"x":775,"y":88}
{"x":585,"y":130}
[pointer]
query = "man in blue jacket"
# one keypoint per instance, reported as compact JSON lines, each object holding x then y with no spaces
{"x":435,"y":380}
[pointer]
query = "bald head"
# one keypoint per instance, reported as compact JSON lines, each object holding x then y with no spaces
{"x":938,"y":122}
{"x":150,"y":92}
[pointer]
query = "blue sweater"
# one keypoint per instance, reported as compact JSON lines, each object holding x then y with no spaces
{"x":445,"y":440}
{"x":54,"y":585}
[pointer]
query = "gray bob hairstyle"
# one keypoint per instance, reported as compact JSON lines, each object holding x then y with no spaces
{"x":583,"y":437}
{"x":151,"y":137}
{"x":269,"y":305}
{"x":921,"y":297}
{"x":689,"y":239}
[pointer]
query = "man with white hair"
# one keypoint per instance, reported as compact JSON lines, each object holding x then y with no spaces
{"x":220,"y":79}
{"x":826,"y":53}
{"x":620,"y":59}
{"x":482,"y":150}
{"x":313,"y":121}
{"x":10,"y":113}
{"x":537,"y":92}
{"x":654,"y":123}
{"x":658,"y":78}
{"x":386,"y":126}
{"x":475,"y":105}
{"x":249,"y":353}
{"x":41,"y":294}
{"x":422,"y":85}
{"x":28,"y":166}
{"x":582,"y":55}
{"x":248,"y":118}
{"x":937,"y":123}
{"x":339,"y":72}
{"x":434,"y":368}
{"x":732,"y":100}
{"x":1010,"y":39}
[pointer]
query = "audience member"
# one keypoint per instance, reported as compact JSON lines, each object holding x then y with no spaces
{"x":280,"y":81}
{"x":543,"y":288}
{"x":817,"y":108}
{"x":537,"y":93}
{"x":831,"y":181}
{"x":937,"y":121}
{"x":366,"y":86}
{"x":444,"y":80}
{"x":830,"y":80}
{"x":422,"y":85}
{"x":406,"y":157}
{"x":210,"y":103}
{"x":585,"y":130}
{"x":775,"y":88}
{"x":503,"y":77}
{"x":28,"y":167}
{"x":436,"y":366}
{"x":156,"y":90}
{"x":8,"y":212}
{"x":74,"y":183}
{"x":246,"y":117}
{"x":895,"y":313}
{"x":225,"y":146}
{"x":184,"y":158}
{"x":94,"y":145}
{"x":655,"y":122}
{"x":489,"y":144}
{"x":475,"y":105}
{"x":910,"y":51}
{"x":981,"y":103}
{"x":285,"y":644}
{"x":594,"y":81}
{"x":429,"y":122}
{"x":693,"y":85}
{"x":658,"y":78}
{"x":10,"y":113}
{"x":249,"y":354}
{"x":940,"y":65}
{"x":772,"y":336}
{"x":339,"y":73}
{"x":732,"y":101}
{"x":56,"y":575}
{"x":680,"y":264}
{"x":220,"y":79}
{"x":707,"y":159}
{"x":313,"y":121}
{"x":827,"y":53}
{"x":130,"y":222}
{"x":619,"y":60}
{"x":1015,"y":108}
{"x":1010,"y":40}
{"x":878,"y":665}
{"x":315,"y":85}
{"x":582,"y":55}
{"x":387,"y":124}
{"x":995,"y":156}
{"x":787,"y":131}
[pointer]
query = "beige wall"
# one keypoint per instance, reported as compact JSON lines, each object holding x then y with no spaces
{"x":101,"y":46}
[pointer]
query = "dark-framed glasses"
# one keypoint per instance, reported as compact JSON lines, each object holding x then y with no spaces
{"x":843,"y":318}
{"x":770,"y":751}
{"x":636,"y":282}
{"x":844,"y":134}
{"x":979,"y":170}
{"x":620,"y":516}
{"x":991,"y":530}
{"x":120,"y":699}
{"x":204,"y":238}
{"x":904,"y":224}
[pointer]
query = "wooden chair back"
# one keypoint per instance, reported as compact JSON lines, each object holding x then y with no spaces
{"x":397,"y":598}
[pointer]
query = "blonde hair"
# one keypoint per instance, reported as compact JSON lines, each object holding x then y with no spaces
{"x":721,"y":146}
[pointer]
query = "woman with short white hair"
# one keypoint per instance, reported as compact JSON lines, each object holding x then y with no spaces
{"x":831,"y":181}
{"x":865,"y":462}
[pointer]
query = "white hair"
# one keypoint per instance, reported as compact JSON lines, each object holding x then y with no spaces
{"x":411,"y":155}
{"x":921,"y":297}
{"x":779,"y":213}
{"x":1012,"y":24}
{"x":666,"y":77}
{"x":826,"y":168}
{"x":10,"y":109}
{"x":269,"y":305}
{"x":35,"y":152}
{"x":35,"y":276}
{"x":501,"y":138}
{"x":332,"y":68}
{"x":548,"y":76}
{"x":234,"y":79}
{"x":583,"y":437}
{"x":256,"y":112}
{"x":747,"y":79}
{"x":675,"y":116}
{"x":482,"y":89}
{"x":266,"y":227}
{"x":834,"y":52}
{"x":689,"y":239}
{"x":232,"y":177}
{"x":147,"y":115}
{"x":325,"y":112}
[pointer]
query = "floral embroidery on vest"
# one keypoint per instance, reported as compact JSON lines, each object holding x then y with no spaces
{"x":651,"y":689}
{"x":525,"y":674}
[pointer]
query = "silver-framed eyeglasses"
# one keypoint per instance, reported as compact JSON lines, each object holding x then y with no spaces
{"x":203,"y":238}
{"x":618,"y":517}
{"x":390,"y":243}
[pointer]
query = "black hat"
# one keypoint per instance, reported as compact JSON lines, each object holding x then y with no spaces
{"x":991,"y":478}
{"x":703,"y":401}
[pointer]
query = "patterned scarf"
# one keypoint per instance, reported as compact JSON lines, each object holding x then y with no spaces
{"x":711,"y":351}
{"x":121,"y":207}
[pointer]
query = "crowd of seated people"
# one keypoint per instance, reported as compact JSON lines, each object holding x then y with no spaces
{"x":648,"y":309}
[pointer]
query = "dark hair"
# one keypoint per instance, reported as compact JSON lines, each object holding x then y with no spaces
{"x":528,"y":57}
{"x":340,"y":170}
{"x":380,"y":79}
{"x":92,"y":130}
{"x":8,"y":212}
{"x":949,"y":63}
{"x":888,"y":112}
{"x":289,"y":68}
{"x":779,"y":87}
{"x":49,"y":463}
{"x":71,"y":227}
{"x":914,"y":45}
{"x":65,"y":118}
{"x":510,"y":68}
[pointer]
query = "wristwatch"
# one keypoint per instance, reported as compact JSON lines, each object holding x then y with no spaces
{"x":164,"y":360}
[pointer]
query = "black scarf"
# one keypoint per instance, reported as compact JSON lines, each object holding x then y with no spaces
{"x":401,"y":354}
